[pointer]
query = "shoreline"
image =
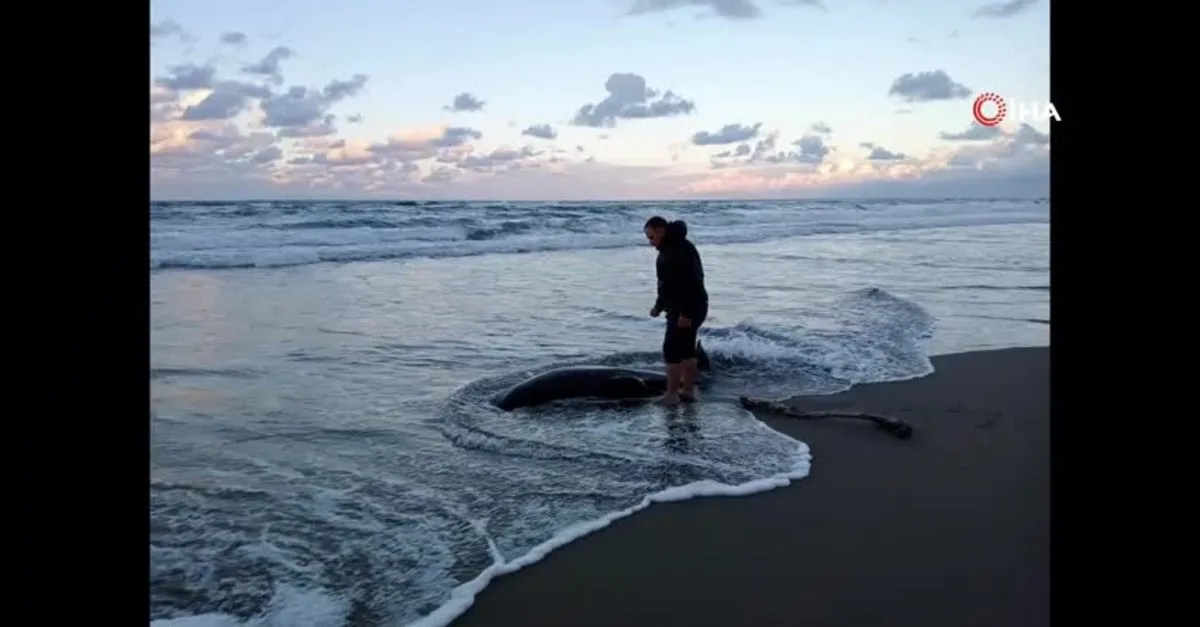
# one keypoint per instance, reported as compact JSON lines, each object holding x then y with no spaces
{"x":949,"y":528}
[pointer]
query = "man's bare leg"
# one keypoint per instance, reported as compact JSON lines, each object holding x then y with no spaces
{"x":674,"y":376}
{"x":689,"y":372}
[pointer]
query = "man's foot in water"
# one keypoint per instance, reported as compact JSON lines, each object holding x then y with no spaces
{"x":670,"y":399}
{"x":689,"y":396}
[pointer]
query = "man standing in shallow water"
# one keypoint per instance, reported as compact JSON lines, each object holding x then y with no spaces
{"x":681,"y":295}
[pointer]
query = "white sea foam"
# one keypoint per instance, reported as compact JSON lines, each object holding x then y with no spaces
{"x":289,"y":607}
{"x":292,"y":607}
{"x":464,"y":595}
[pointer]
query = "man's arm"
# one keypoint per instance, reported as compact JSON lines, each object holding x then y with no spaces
{"x":690,"y":281}
{"x":660,"y":299}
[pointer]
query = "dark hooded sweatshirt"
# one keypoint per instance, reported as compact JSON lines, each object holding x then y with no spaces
{"x":680,"y":274}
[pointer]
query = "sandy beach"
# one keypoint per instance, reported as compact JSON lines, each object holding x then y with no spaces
{"x":950,"y":528}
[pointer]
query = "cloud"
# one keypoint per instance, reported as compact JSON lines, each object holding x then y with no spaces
{"x":928,"y":86}
{"x":879,"y":153}
{"x":629,"y":99}
{"x":974,"y":132}
{"x":254,"y":135}
{"x":217,"y":159}
{"x":1021,"y":146}
{"x":440,"y":174}
{"x":809,"y":150}
{"x":442,"y":163}
{"x":498,"y":159}
{"x":340,"y":89}
{"x":237,"y":134}
{"x":304,"y":107}
{"x":1026,"y":135}
{"x":316,"y":128}
{"x":816,"y":4}
{"x":1000,"y":10}
{"x":728,"y":9}
{"x":542,"y":131}
{"x":223,"y":100}
{"x":465,"y":102}
{"x":743,"y":150}
{"x":199,"y":154}
{"x":233,"y":38}
{"x":161,"y":95}
{"x":1016,"y":163}
{"x":441,"y":142}
{"x":354,"y":119}
{"x":728,"y":134}
{"x":403,"y":160}
{"x":227,"y":100}
{"x":587,"y":180}
{"x":270,"y":65}
{"x":188,"y":76}
{"x":166,"y":28}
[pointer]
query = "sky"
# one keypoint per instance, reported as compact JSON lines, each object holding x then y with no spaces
{"x":594,"y":99}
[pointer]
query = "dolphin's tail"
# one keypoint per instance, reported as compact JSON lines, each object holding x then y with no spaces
{"x":702,"y":357}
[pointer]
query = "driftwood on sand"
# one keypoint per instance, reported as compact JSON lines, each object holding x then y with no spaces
{"x":894,"y":426}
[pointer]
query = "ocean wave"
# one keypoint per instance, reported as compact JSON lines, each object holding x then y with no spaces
{"x":412,"y":536}
{"x":249,"y":235}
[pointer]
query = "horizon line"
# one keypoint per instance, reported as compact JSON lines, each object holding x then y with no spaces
{"x":595,"y":200}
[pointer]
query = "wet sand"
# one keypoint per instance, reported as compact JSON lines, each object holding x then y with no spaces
{"x":950,"y":528}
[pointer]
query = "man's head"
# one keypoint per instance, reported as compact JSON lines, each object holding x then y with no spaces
{"x":656,"y":230}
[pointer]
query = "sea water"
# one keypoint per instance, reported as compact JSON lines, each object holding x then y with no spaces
{"x":322,"y":448}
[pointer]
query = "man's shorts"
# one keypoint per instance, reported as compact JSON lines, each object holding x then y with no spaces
{"x":680,"y":344}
